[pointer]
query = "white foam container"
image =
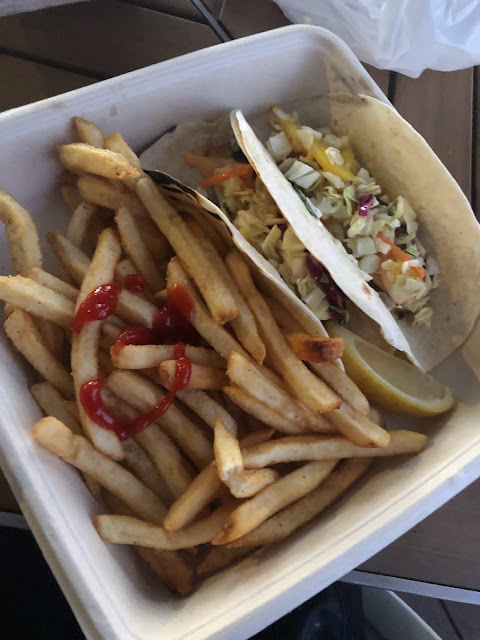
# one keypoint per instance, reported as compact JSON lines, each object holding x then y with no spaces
{"x":111,"y":594}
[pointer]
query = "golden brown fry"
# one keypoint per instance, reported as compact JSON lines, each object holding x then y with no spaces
{"x":282,"y":524}
{"x":273,"y":498}
{"x":249,"y":377}
{"x":248,"y":482}
{"x":71,"y":195}
{"x":54,"y":283}
{"x":84,"y":355}
{"x":311,"y":349}
{"x":154,"y":240}
{"x":134,"y":356}
{"x":299,"y":448}
{"x":211,"y":284}
{"x":52,"y":404}
{"x":220,"y":558}
{"x":81,"y":157}
{"x":201,"y":492}
{"x":105,"y":194}
{"x":207,"y":408}
{"x":89,"y":133}
{"x":263,"y":412}
{"x":143,"y":468}
{"x":71,"y":407}
{"x":125,"y":530}
{"x":21,"y":235}
{"x":307,"y":387}
{"x":162,"y":451}
{"x":144,"y":395}
{"x":79,"y":452}
{"x":217,"y":336}
{"x":201,"y":377}
{"x":136,"y":250}
{"x":79,"y":222}
{"x":21,"y":329}
{"x":244,"y":325}
{"x":375,"y":415}
{"x":338,"y":380}
{"x":358,"y":428}
{"x":115,"y":142}
{"x":36,"y":299}
{"x":226,"y":447}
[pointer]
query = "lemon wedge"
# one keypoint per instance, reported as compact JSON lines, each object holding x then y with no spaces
{"x":388,"y":381}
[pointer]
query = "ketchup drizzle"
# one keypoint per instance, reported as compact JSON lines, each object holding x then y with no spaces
{"x":134,"y":282}
{"x":98,"y":305}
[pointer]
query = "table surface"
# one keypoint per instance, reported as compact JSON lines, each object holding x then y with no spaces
{"x":36,"y":63}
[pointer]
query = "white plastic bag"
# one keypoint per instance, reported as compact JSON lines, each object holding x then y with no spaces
{"x":402,"y":35}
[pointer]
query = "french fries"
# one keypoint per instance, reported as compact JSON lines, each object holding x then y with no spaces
{"x":21,"y":330}
{"x":83,"y":158}
{"x":307,"y":387}
{"x":144,"y":356}
{"x":201,"y":377}
{"x":21,"y":235}
{"x":277,"y":496}
{"x":267,"y":431}
{"x":298,"y":448}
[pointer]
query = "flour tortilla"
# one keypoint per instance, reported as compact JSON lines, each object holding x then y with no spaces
{"x":403,"y":164}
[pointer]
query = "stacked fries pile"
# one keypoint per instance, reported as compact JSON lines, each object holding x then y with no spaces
{"x":265,"y":430}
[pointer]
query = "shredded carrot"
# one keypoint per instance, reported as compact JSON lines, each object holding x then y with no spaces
{"x":238,"y":172}
{"x":397,"y":253}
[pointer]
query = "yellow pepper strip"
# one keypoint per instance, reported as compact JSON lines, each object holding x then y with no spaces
{"x":317,"y":151}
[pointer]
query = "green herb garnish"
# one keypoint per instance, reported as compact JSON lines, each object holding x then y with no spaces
{"x":235,"y":146}
{"x":392,"y":207}
{"x":228,"y":211}
{"x":410,"y":254}
{"x":306,"y":201}
{"x":389,"y":227}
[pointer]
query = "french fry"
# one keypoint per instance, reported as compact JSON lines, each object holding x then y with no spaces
{"x":143,"y":395}
{"x":21,"y":235}
{"x":282,"y":524}
{"x":299,"y":448}
{"x":54,"y":436}
{"x":163,"y":453}
{"x":228,"y":456}
{"x":141,"y":465}
{"x":249,"y":378}
{"x":358,"y":428}
{"x":115,"y":142}
{"x":52,"y":404}
{"x":36,"y":299}
{"x":306,"y":386}
{"x":211,"y":284}
{"x":201,"y":377}
{"x":375,"y":415}
{"x":136,"y":250}
{"x":79,"y":222}
{"x":304,"y":323}
{"x":263,"y":412}
{"x":54,"y":283}
{"x":81,"y":157}
{"x":125,"y":530}
{"x":273,"y":498}
{"x":134,"y":356}
{"x":244,"y":324}
{"x":154,"y":240}
{"x":84,"y":356}
{"x":220,"y":558}
{"x":217,"y":336}
{"x":169,"y":566}
{"x":248,"y":482}
{"x":311,"y":349}
{"x":201,"y":492}
{"x":89,"y":133}
{"x":21,"y":329}
{"x":53,"y":337}
{"x":71,"y":407}
{"x":109,"y":336}
{"x":105,"y":194}
{"x":207,"y":408}
{"x":339,"y":381}
{"x":71,"y":195}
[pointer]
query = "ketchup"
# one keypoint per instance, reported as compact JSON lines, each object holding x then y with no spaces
{"x":96,"y":410}
{"x":134,"y":282}
{"x":171,"y":323}
{"x":98,"y":305}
